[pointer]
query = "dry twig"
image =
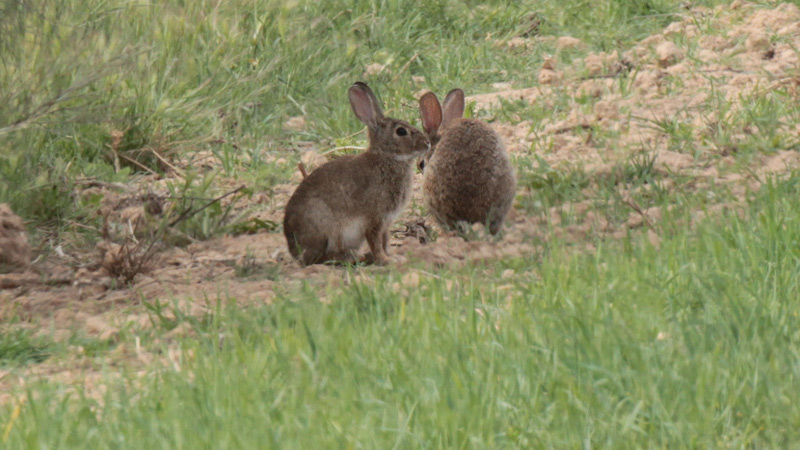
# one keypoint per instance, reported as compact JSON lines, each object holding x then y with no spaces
{"x":189,"y":212}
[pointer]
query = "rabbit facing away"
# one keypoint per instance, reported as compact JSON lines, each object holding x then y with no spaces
{"x":468,"y":177}
{"x":356,"y":197}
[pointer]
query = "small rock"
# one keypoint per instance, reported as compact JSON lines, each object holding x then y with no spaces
{"x":132,"y":214}
{"x":606,"y":109}
{"x":550,"y":76}
{"x":15,"y":252}
{"x":668,"y":54}
{"x":373,"y":69}
{"x":789,"y":30}
{"x":297,"y":123}
{"x":674,"y":28}
{"x":757,"y":41}
{"x":594,"y":64}
{"x":549,"y":63}
{"x":592,"y":88}
{"x":518,"y":42}
{"x":568,"y":43}
{"x":96,"y":326}
{"x":654,"y":40}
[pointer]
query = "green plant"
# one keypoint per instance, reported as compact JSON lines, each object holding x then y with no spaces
{"x":19,"y":347}
{"x":547,"y":186}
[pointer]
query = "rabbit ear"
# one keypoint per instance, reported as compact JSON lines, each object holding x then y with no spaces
{"x":431,"y":112}
{"x":365,"y":104}
{"x":453,"y":106}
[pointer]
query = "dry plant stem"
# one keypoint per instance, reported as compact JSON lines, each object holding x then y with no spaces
{"x":84,"y":226}
{"x":405,"y":67}
{"x":134,"y":260}
{"x":346,"y":147}
{"x":568,"y":128}
{"x":179,"y":172}
{"x":28,"y":279}
{"x":189,"y":212}
{"x":152,"y":172}
{"x":302,"y":168}
{"x":356,"y":133}
{"x":647,"y":220}
{"x":92,"y":182}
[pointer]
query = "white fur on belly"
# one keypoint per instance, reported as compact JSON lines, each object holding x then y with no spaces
{"x":351,"y":235}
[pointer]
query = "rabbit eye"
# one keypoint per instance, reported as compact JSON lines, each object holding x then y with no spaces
{"x":401,"y":131}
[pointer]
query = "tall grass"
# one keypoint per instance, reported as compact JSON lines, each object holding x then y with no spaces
{"x":177,"y":77}
{"x":690,"y":345}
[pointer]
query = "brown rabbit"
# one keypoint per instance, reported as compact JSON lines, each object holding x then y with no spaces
{"x":468,"y":175}
{"x":352,"y":198}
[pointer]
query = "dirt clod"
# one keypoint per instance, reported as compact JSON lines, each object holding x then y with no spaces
{"x":568,"y":42}
{"x":757,"y":41}
{"x":297,"y":123}
{"x":15,"y":252}
{"x":668,"y":54}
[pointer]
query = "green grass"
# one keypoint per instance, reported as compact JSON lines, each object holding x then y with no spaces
{"x":547,"y":186}
{"x":20,"y":347}
{"x":176,"y":78}
{"x":690,"y":345}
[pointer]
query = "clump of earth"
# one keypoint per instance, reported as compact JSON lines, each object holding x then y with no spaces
{"x":15,"y":251}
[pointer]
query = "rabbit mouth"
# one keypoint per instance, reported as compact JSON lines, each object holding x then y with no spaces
{"x":405,"y":156}
{"x":413,"y":154}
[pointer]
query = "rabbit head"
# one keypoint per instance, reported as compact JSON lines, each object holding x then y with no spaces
{"x":436,"y":118}
{"x":394,"y":137}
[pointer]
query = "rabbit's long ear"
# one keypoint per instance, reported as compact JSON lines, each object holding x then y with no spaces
{"x":365,"y":104}
{"x":431,"y":112}
{"x":453,"y":107}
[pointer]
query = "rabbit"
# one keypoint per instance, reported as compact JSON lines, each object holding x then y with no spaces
{"x":355,"y":197}
{"x":468,"y":177}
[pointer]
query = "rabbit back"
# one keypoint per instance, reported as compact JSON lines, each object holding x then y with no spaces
{"x":469,"y":177}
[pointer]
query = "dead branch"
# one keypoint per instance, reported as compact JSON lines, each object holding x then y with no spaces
{"x":405,"y":67}
{"x":635,"y":206}
{"x":179,"y":172}
{"x":189,"y":212}
{"x":568,"y":128}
